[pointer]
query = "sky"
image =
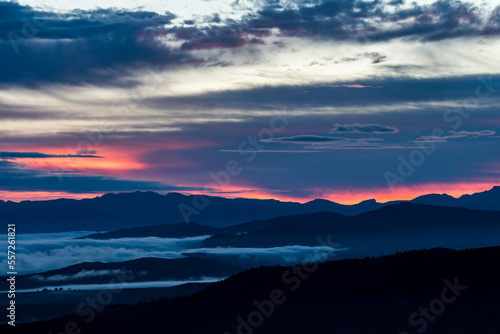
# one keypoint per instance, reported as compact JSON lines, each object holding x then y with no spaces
{"x":345,"y":100}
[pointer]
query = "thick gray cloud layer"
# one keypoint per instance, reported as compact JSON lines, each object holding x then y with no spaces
{"x":394,"y":91}
{"x":99,"y":47}
{"x":348,"y":20}
{"x":106,"y":46}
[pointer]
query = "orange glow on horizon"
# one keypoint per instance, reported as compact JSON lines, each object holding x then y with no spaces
{"x":19,"y":196}
{"x":346,"y":197}
{"x":114,"y":163}
{"x":246,"y":192}
{"x":403,"y":193}
{"x":119,"y":160}
{"x":354,"y":196}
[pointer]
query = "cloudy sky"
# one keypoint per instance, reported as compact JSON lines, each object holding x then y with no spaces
{"x":344,"y":100}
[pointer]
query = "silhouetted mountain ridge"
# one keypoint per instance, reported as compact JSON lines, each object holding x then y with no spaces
{"x":486,"y":200}
{"x":183,"y":230}
{"x":127,"y":210}
{"x":400,"y":219}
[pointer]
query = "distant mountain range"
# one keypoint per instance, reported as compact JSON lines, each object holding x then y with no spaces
{"x":303,"y":229}
{"x":458,"y":292}
{"x":185,"y":230}
{"x":397,"y":227}
{"x":127,"y":210}
{"x":486,"y":200}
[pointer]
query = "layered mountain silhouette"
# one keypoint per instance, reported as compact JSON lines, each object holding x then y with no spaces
{"x":397,"y":227}
{"x":191,"y":229}
{"x":344,"y":296}
{"x":436,"y":291}
{"x":126,"y":210}
{"x":397,"y":220}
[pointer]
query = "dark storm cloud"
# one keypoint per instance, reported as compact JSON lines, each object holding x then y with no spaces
{"x":106,"y":46}
{"x":215,"y":37}
{"x":15,"y":178}
{"x":17,"y":19}
{"x":99,"y":47}
{"x":363,"y":128}
{"x":350,"y":20}
{"x":37,"y":155}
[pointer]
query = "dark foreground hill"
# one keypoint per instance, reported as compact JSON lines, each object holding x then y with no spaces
{"x":45,"y":305}
{"x":436,"y":291}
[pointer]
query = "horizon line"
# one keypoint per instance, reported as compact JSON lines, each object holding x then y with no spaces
{"x":89,"y":196}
